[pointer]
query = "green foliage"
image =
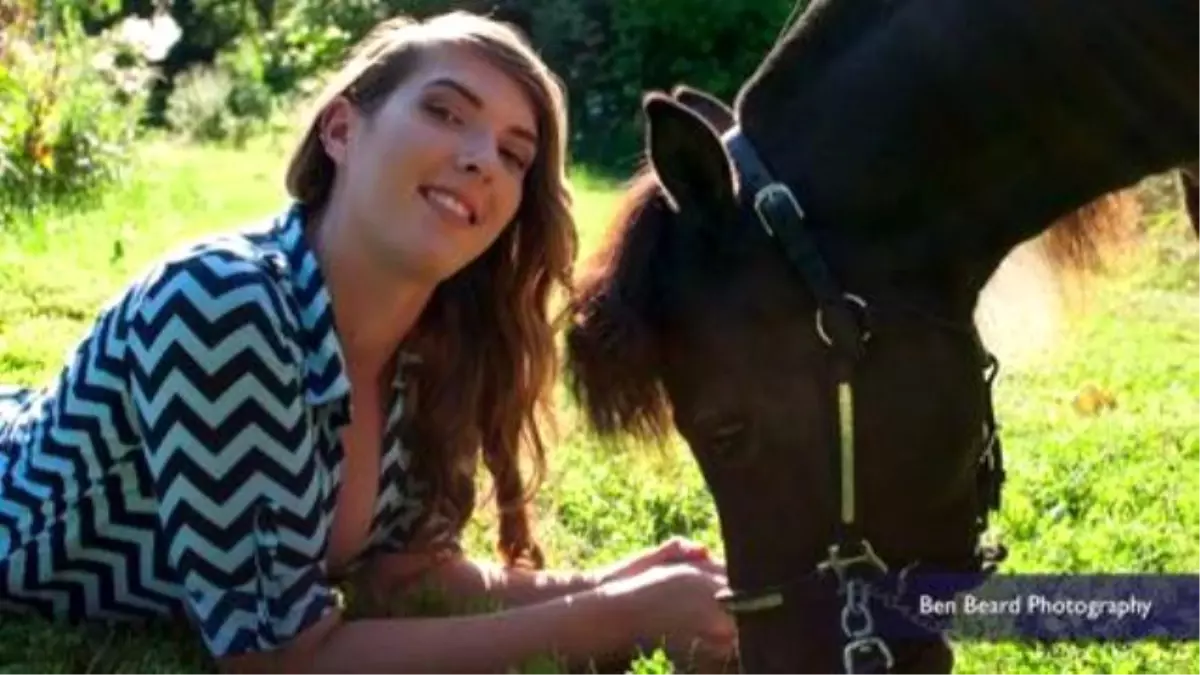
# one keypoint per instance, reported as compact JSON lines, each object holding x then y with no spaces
{"x":37,"y":646}
{"x":228,"y":101}
{"x":249,"y":95}
{"x":290,"y":49}
{"x":610,"y":52}
{"x":300,"y":49}
{"x":198,"y":108}
{"x":603,"y":510}
{"x":312,"y":37}
{"x":69,"y":108}
{"x":607,"y":52}
{"x":275,"y":63}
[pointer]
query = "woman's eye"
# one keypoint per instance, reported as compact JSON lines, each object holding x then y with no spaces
{"x":515,"y":159}
{"x":443,"y":113}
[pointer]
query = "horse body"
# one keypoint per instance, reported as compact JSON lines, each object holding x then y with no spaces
{"x":922,"y":141}
{"x":975,"y":124}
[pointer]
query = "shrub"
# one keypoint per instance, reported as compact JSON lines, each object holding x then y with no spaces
{"x":609,"y":52}
{"x":311,"y":37}
{"x":69,"y":108}
{"x":198,"y":108}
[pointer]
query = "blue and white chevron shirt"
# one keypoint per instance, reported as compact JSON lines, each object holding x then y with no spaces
{"x":187,"y":461}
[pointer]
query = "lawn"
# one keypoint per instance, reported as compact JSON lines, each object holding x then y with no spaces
{"x":1110,"y":488}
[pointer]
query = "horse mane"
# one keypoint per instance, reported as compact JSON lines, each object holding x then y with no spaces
{"x":1084,"y":239}
{"x":612,"y":354}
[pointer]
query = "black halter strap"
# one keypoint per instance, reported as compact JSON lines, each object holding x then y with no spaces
{"x":842,"y":322}
{"x":783,"y":219}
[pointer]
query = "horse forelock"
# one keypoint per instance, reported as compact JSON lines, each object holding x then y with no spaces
{"x":612,"y":348}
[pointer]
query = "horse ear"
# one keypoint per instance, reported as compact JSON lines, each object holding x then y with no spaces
{"x":687,"y":154}
{"x":711,"y":108}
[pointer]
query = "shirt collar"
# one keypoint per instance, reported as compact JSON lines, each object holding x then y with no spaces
{"x":325,"y":378}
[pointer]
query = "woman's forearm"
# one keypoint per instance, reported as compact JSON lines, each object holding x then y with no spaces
{"x":459,"y":579}
{"x":464,"y":578}
{"x":575,"y":628}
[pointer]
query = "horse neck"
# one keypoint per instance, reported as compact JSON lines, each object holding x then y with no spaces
{"x":980,"y":121}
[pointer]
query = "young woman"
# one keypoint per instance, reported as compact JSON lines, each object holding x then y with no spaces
{"x":275,"y":409}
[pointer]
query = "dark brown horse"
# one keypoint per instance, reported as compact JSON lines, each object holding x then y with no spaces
{"x":793,"y":289}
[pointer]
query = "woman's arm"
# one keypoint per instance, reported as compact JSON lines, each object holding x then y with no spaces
{"x":578,"y":628}
{"x":459,"y":580}
{"x":671,"y":606}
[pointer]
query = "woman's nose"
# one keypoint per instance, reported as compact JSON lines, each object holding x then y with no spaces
{"x":479,"y":156}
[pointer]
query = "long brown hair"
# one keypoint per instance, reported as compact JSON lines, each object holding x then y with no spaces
{"x":487,"y":356}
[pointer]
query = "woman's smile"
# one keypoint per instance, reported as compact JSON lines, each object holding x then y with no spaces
{"x":450,"y":205}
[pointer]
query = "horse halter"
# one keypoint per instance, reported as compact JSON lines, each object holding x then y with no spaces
{"x":842,"y":323}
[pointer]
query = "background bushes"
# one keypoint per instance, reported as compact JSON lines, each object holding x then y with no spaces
{"x":69,"y":106}
{"x":611,"y":51}
{"x":80,"y":78}
{"x":607,"y":51}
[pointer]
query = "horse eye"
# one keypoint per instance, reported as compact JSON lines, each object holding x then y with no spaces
{"x":727,"y":439}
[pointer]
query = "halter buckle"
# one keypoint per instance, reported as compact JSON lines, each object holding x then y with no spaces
{"x":839,"y":564}
{"x":769,"y":192}
{"x":864,"y":648}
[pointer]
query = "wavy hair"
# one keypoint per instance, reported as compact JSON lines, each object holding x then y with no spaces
{"x":482,"y":388}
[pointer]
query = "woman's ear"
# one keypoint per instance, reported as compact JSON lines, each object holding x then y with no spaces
{"x":337,"y":125}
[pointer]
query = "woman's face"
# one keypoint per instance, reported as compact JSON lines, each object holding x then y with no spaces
{"x":433,"y":177}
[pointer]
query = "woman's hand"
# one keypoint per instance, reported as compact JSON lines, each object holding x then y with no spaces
{"x":674,"y":606}
{"x":672,"y":551}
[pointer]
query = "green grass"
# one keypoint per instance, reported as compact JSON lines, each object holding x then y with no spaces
{"x":1115,"y":491}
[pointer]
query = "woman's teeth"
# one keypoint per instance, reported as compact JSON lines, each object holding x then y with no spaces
{"x":451,"y":203}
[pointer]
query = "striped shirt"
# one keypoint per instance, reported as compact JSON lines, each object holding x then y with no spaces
{"x":186,"y":462}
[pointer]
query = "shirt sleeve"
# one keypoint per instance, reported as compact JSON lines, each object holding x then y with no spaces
{"x":217,"y":389}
